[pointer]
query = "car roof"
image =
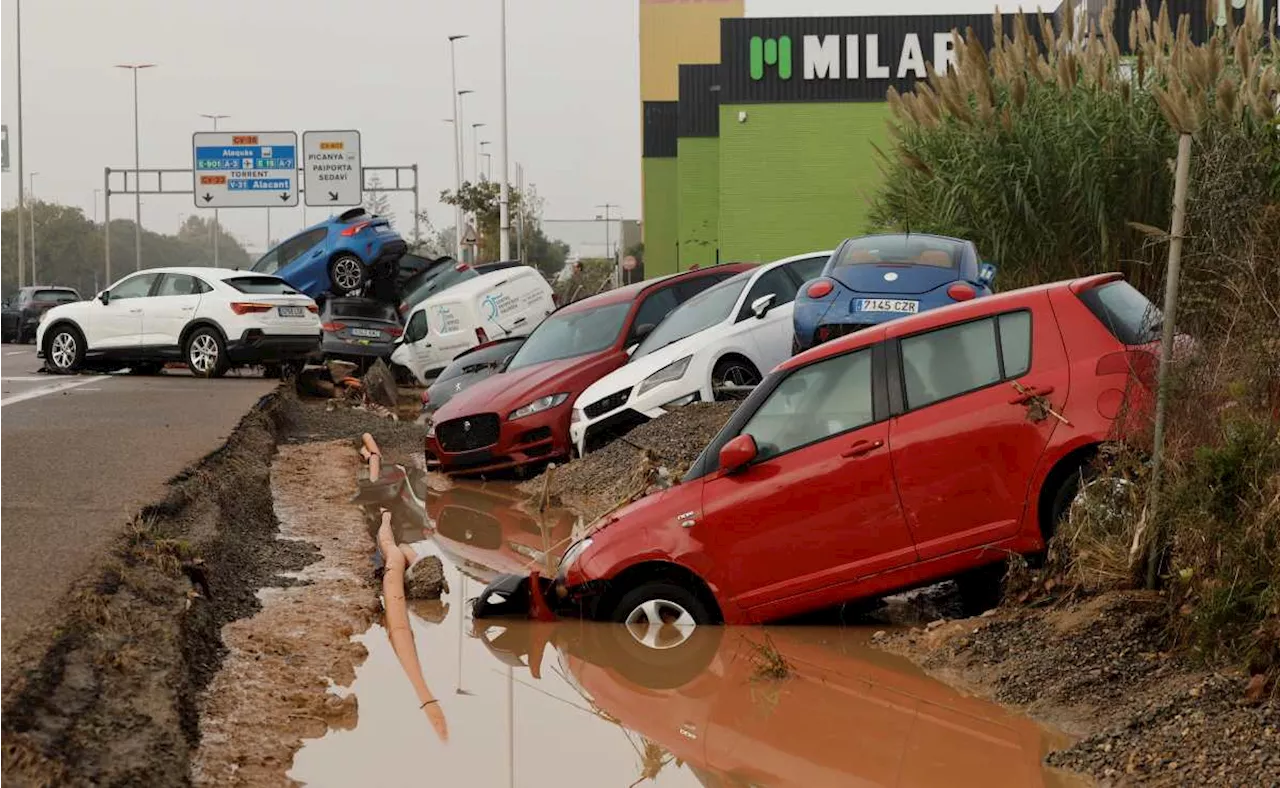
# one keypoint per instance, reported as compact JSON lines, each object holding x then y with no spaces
{"x":631,"y":292}
{"x":936,"y":318}
{"x":206,"y":272}
{"x":470,"y":287}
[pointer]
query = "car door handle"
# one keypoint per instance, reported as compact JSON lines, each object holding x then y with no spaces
{"x":861,"y":447}
{"x":1028,"y":393}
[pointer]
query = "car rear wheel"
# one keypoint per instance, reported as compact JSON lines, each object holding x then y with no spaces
{"x":660,"y":614}
{"x":64,"y":350}
{"x":733,"y":378}
{"x":206,"y":353}
{"x":346,"y":275}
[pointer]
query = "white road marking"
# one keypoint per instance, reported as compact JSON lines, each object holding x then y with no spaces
{"x":29,"y":379}
{"x":45,"y":391}
{"x":18,"y":353}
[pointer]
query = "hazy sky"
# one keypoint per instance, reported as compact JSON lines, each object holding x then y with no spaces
{"x":380,"y":66}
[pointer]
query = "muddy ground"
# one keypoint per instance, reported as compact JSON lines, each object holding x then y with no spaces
{"x":1101,"y":669}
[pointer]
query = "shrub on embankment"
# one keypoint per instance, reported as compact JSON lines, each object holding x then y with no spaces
{"x":1057,"y":161}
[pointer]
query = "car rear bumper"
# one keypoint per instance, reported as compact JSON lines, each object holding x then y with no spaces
{"x":336,"y":348}
{"x":254,"y":345}
{"x":537,"y":438}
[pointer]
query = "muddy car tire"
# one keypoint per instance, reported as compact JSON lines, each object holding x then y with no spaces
{"x":733,"y":371}
{"x":668,"y":667}
{"x":206,"y":353}
{"x":660,"y":614}
{"x":64,"y":350}
{"x":347,"y":275}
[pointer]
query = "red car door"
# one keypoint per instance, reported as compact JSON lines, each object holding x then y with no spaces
{"x":817,"y":508}
{"x":966,"y":443}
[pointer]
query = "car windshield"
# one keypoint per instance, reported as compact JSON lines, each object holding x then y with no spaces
{"x":55,"y":296}
{"x":699,"y":313}
{"x":450,"y":276}
{"x":261,"y":285}
{"x":909,"y":249}
{"x":570,"y":334}
{"x":362,"y":308}
{"x":491,"y":355}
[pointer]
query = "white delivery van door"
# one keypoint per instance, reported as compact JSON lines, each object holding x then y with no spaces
{"x":517,"y":305}
{"x":415,"y":352}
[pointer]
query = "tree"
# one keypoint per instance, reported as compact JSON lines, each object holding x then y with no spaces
{"x":482,"y":200}
{"x":376,"y":200}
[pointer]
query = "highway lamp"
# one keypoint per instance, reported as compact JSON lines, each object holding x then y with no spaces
{"x":21,"y":150}
{"x":31,"y":189}
{"x":137,"y":167}
{"x":504,"y":195}
{"x":484,"y":155}
{"x":475,"y":148}
{"x":215,"y":230}
{"x":457,"y":145}
{"x":608,"y":240}
{"x":488,"y":166}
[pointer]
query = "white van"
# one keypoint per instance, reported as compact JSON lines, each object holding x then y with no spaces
{"x":507,"y":302}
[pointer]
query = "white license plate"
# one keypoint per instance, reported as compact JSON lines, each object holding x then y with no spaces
{"x":291,"y":311}
{"x":366,"y":332}
{"x":888,"y":305}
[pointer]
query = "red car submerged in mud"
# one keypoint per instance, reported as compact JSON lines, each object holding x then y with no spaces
{"x":522,"y":414}
{"x":925,"y":448}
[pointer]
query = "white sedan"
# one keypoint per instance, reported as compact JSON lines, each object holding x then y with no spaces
{"x":717,"y":345}
{"x":211,"y":318}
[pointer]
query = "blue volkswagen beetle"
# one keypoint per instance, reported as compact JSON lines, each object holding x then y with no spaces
{"x":875,"y":278}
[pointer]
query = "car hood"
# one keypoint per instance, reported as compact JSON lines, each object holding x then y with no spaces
{"x":72,"y":310}
{"x":637,"y":369}
{"x":506,"y":391}
{"x":442,"y":392}
{"x":906,"y":279}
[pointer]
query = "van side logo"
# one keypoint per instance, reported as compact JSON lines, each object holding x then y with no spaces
{"x":774,"y":52}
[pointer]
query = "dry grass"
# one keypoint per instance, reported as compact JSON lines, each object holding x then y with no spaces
{"x":768,"y":663}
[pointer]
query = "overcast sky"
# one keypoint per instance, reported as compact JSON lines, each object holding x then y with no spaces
{"x":380,"y":66}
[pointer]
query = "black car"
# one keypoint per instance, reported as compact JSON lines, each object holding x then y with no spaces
{"x":468,"y":369}
{"x":358,"y":329}
{"x":22,"y":312}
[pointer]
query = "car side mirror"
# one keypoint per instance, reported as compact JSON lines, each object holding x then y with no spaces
{"x":735,"y":454}
{"x":105,"y":297}
{"x":986,"y":273}
{"x":761,"y":306}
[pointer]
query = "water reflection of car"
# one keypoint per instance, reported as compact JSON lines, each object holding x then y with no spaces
{"x":485,"y":529}
{"x":339,"y":255}
{"x":845,"y":715}
{"x":467,"y":369}
{"x":23,"y":310}
{"x":875,"y":278}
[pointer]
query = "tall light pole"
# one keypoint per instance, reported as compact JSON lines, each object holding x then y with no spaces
{"x":504,"y":196}
{"x":607,"y":238}
{"x":32,"y":190}
{"x":457,"y":159}
{"x":461,"y":129}
{"x":21,"y":149}
{"x":480,"y":145}
{"x":137,"y":166}
{"x":216,"y":227}
{"x":488,"y":163}
{"x":475,"y":148}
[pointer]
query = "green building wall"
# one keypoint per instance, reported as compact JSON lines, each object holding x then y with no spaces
{"x":661,"y":198}
{"x":796,"y":177}
{"x":698,"y":161}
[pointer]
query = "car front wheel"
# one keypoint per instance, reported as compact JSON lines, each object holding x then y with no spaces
{"x":346,"y":275}
{"x":206,"y":353}
{"x":733,"y":378}
{"x":660,"y":614}
{"x":63,"y":350}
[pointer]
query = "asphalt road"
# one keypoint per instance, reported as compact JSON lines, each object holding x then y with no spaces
{"x":80,"y":455}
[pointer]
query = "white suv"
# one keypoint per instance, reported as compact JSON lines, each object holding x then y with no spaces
{"x":211,"y":318}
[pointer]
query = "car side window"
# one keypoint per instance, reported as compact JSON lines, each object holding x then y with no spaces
{"x":1015,"y":343}
{"x":950,"y":361}
{"x":134,"y":287}
{"x":808,"y":268}
{"x":417,"y":327}
{"x":775,"y":282}
{"x":292,"y":249}
{"x":651,"y":312}
{"x":269,"y":263}
{"x":691,"y":287}
{"x":178,"y":285}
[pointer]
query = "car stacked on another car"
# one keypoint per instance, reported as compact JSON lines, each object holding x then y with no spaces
{"x":23,"y":311}
{"x":521,"y":415}
{"x":211,"y":318}
{"x":716,"y":345}
{"x":875,"y":278}
{"x":339,"y":255}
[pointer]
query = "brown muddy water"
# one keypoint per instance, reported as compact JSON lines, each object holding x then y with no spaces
{"x":583,"y":704}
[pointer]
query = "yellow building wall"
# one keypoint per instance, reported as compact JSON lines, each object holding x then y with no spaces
{"x":674,"y":32}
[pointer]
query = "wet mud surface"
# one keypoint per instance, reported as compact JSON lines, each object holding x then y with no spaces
{"x":1098,"y":668}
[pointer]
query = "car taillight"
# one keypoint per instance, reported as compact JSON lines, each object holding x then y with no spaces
{"x":481,"y":337}
{"x":313,"y":309}
{"x":819,"y":289}
{"x":394,"y":331}
{"x":1139,"y":363}
{"x":249,"y":307}
{"x":961,"y":292}
{"x":335,"y":326}
{"x":354,"y":229}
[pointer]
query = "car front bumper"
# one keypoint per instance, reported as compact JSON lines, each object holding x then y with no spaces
{"x":537,"y":438}
{"x":588,"y":433}
{"x":539,"y":598}
{"x":256,"y":346}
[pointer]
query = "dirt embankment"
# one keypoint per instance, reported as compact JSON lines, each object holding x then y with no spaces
{"x":113,"y":701}
{"x":1100,"y":669}
{"x":597,"y":482}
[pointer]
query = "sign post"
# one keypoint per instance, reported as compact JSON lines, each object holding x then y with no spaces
{"x":245,"y":169}
{"x":331,"y":168}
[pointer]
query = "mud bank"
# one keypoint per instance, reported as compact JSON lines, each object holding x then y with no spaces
{"x":1099,"y":669}
{"x":274,"y":688}
{"x":113,"y":700}
{"x":310,"y":420}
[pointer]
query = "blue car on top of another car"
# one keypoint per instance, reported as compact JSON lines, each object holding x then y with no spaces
{"x":339,"y":255}
{"x":875,"y":278}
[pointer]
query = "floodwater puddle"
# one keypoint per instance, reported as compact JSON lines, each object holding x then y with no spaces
{"x":576,"y":703}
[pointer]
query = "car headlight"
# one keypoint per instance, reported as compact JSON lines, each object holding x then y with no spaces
{"x":673,"y":371}
{"x":574,"y":552}
{"x":538,"y":405}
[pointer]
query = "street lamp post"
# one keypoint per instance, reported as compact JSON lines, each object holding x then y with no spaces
{"x":216,"y":229}
{"x":504,"y":195}
{"x":475,"y":148}
{"x":608,"y":241}
{"x":488,"y":165}
{"x":483,"y":155}
{"x":137,"y":166}
{"x":461,"y":130}
{"x":457,"y":147}
{"x":21,"y":150}
{"x":31,"y":189}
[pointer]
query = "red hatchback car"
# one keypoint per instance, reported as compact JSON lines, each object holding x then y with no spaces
{"x":521,"y":416}
{"x":924,"y":448}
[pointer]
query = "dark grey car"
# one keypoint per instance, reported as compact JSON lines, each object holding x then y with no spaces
{"x":358,"y":329}
{"x":22,"y":312}
{"x":468,"y":369}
